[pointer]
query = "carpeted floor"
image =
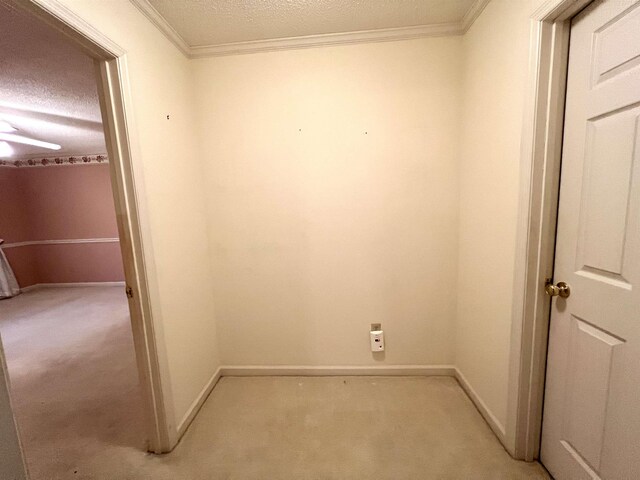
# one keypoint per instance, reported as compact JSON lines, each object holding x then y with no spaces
{"x":71,"y":362}
{"x":73,"y":375}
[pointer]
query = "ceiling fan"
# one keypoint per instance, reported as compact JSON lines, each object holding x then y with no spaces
{"x":8,"y":136}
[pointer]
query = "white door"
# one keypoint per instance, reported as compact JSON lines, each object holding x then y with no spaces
{"x":591,"y":422}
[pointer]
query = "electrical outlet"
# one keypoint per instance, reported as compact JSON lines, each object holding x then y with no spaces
{"x":377,"y":340}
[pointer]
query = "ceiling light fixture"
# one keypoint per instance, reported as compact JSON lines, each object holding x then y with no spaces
{"x":6,"y":127}
{"x":10,"y":137}
{"x":5,"y":149}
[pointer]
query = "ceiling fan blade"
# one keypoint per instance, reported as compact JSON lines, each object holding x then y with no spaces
{"x":12,"y":137}
{"x":5,"y":149}
{"x":6,"y":127}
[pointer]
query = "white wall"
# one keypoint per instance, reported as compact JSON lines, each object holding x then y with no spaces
{"x":160,"y":85}
{"x":495,"y":72}
{"x":333,"y":194}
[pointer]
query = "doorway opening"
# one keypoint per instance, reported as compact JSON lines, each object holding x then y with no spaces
{"x":80,"y":351}
{"x":67,"y":330}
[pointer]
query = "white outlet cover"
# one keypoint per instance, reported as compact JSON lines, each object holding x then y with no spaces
{"x":377,"y":341}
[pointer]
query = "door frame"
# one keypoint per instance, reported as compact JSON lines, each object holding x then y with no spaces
{"x":541,"y":152}
{"x":128,"y":192}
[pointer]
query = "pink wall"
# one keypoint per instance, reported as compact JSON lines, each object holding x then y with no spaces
{"x":59,"y":203}
{"x":24,"y":265}
{"x":14,"y":225}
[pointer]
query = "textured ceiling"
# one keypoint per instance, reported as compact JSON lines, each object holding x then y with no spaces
{"x":215,"y":22}
{"x":47,"y":88}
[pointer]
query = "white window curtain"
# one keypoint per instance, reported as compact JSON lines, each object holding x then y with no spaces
{"x":8,"y":284}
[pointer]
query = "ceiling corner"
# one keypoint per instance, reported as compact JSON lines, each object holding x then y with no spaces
{"x":327,"y":40}
{"x":159,"y":21}
{"x":472,"y":14}
{"x":389,"y":34}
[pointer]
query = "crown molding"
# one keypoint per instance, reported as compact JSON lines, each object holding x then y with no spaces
{"x":328,"y":39}
{"x":55,"y":161}
{"x":310,"y":41}
{"x":472,"y":14}
{"x":159,"y":21}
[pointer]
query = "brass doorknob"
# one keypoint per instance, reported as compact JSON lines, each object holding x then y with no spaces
{"x":560,"y":290}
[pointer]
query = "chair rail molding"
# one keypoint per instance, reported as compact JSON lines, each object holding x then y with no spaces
{"x":29,"y":243}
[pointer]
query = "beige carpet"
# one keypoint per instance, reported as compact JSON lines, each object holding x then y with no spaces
{"x":72,"y":362}
{"x":73,"y":377}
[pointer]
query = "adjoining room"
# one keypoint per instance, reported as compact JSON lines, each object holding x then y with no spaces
{"x":64,"y":316}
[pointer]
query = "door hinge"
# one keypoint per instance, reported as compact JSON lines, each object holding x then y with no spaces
{"x":129,"y":291}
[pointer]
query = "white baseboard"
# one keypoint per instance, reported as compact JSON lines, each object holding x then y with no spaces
{"x":197,"y":404}
{"x":304,"y":370}
{"x":29,"y":288}
{"x":327,"y":371}
{"x":324,"y":371}
{"x":482,"y":407}
{"x":75,"y":284}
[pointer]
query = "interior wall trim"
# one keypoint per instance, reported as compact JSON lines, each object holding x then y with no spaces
{"x":487,"y":414}
{"x":60,"y":242}
{"x":93,"y":42}
{"x":336,"y":370}
{"x":327,"y":40}
{"x":472,"y":14}
{"x":309,"y":41}
{"x":56,"y":161}
{"x":304,"y":371}
{"x":540,"y":161}
{"x":68,"y":285}
{"x":161,"y":24}
{"x":195,"y":407}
